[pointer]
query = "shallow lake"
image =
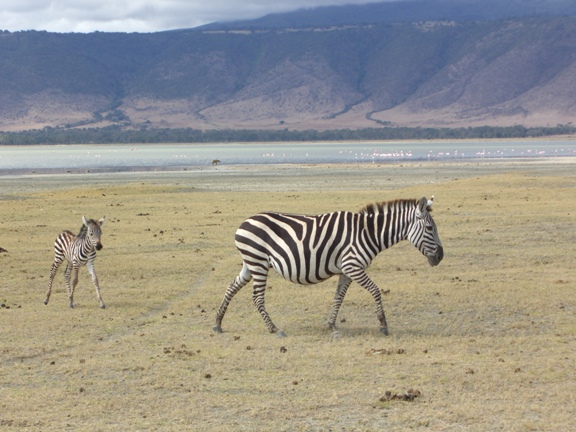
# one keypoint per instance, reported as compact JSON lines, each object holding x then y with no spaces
{"x":122,"y":157}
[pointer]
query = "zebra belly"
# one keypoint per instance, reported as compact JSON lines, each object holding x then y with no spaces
{"x":301,"y":277}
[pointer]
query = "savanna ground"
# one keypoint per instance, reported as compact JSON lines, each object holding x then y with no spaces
{"x":486,"y":340}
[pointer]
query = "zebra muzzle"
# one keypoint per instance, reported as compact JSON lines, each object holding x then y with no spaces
{"x":435,"y":259}
{"x":99,"y":246}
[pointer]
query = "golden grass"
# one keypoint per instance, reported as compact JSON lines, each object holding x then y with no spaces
{"x":488,"y":337}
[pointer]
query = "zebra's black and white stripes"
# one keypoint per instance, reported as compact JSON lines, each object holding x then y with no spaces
{"x":79,"y":250}
{"x":310,"y":249}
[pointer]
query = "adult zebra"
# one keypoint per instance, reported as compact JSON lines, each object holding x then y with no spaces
{"x":79,"y":250}
{"x":310,"y":249}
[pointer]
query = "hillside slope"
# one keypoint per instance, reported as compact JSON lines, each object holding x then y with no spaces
{"x":437,"y":73}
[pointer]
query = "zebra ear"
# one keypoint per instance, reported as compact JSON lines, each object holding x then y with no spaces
{"x":430,"y":202}
{"x":84,"y":221}
{"x":101,"y":221}
{"x":422,"y":205}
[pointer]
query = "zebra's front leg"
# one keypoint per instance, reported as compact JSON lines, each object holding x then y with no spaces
{"x":343,"y":284}
{"x":71,"y":270}
{"x":258,"y":299}
{"x":53,"y":270}
{"x":67,"y":276}
{"x":236,"y":285}
{"x":360,"y":276}
{"x":90,"y":267}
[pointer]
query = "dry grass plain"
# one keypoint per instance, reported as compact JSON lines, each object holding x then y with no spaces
{"x":487,"y":338}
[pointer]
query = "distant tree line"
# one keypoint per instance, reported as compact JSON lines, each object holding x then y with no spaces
{"x":117,"y":135}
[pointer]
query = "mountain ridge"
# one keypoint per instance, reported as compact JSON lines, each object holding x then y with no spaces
{"x":443,"y":73}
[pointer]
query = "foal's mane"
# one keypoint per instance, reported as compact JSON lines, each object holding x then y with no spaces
{"x":84,"y":228}
{"x":83,"y":231}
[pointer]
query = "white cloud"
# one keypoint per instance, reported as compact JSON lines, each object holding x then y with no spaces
{"x":140,"y":15}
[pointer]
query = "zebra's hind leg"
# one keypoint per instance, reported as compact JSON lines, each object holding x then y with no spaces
{"x":90,"y":267}
{"x":55,"y":265}
{"x":258,"y":299}
{"x":343,"y":284}
{"x":236,"y":285}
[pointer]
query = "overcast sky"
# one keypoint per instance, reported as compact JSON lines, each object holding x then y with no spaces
{"x":86,"y":16}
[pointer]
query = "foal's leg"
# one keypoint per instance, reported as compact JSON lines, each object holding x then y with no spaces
{"x":72,"y":285}
{"x":55,"y":265}
{"x":90,"y":267}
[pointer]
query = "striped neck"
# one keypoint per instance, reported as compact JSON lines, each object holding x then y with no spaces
{"x":388,"y":222}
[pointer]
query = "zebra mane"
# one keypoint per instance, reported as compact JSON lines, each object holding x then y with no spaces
{"x":84,"y":228}
{"x":83,"y":231}
{"x":381,"y":207}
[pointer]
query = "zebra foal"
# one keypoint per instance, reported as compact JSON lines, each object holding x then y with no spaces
{"x":79,"y":250}
{"x":310,"y":249}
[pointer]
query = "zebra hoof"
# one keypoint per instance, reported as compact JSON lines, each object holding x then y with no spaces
{"x":384,"y":331}
{"x":217,"y":329}
{"x":102,"y":306}
{"x":335,"y":334}
{"x":280,"y":333}
{"x":46,"y":302}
